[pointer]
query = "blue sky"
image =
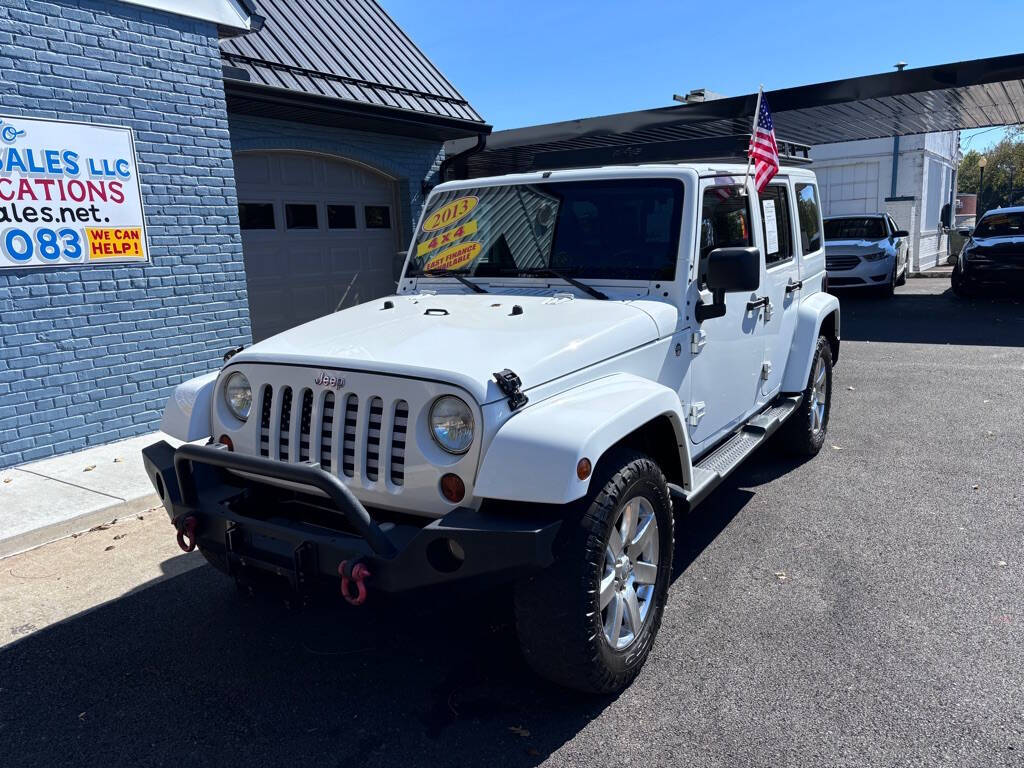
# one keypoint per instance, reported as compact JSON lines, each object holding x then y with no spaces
{"x":524,"y":62}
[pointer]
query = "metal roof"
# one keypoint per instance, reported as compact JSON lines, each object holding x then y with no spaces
{"x":970,"y":94}
{"x":345,"y":50}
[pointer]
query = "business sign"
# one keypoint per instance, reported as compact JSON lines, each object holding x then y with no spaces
{"x":69,"y":195}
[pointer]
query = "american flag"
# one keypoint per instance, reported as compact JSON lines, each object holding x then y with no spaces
{"x":763,"y":149}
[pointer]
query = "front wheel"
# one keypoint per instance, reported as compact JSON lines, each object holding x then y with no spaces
{"x":958,"y":284}
{"x":804,"y":433}
{"x":588,"y":621}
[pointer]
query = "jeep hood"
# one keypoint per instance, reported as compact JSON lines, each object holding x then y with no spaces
{"x":464,"y":339}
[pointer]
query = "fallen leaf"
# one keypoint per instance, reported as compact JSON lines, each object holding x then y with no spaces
{"x":140,"y":517}
{"x":118,"y":459}
{"x":974,"y":487}
{"x":8,"y":479}
{"x":120,"y":536}
{"x":102,"y":527}
{"x":90,"y":468}
{"x":851,"y":389}
{"x":519,"y":730}
{"x":107,"y":549}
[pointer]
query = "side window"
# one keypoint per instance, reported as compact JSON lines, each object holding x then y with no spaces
{"x":778,"y":238}
{"x":810,"y":217}
{"x":725,"y":222}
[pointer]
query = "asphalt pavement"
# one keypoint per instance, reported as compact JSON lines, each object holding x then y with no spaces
{"x":863,"y":608}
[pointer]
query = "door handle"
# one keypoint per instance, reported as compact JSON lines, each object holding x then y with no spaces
{"x":761,"y":301}
{"x":791,"y":286}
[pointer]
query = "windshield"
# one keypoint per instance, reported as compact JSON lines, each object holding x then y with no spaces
{"x":1001,"y":225}
{"x":855,"y":228}
{"x":615,"y":229}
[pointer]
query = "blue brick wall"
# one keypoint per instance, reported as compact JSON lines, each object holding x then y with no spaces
{"x":408,"y":161}
{"x":89,"y":355}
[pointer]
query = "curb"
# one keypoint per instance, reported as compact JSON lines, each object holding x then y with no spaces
{"x":65,"y":528}
{"x":931,"y":275}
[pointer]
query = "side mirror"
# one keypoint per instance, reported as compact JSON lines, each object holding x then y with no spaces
{"x":901,"y":233}
{"x":729,"y":270}
{"x":965,"y":231}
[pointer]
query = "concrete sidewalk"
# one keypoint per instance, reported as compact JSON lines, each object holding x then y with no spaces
{"x":50,"y":499}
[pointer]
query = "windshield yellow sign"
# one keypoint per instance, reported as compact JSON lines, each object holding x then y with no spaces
{"x":450,"y":213}
{"x":446,"y":238}
{"x":456,"y":257}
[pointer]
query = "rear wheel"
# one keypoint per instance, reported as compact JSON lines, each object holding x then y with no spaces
{"x":588,"y":622}
{"x":804,"y":432}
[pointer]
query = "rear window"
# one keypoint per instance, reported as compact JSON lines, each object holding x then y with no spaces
{"x":855,"y":228}
{"x":1001,"y":225}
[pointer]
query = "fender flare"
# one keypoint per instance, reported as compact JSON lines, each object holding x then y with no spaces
{"x":533,"y":456}
{"x":812,"y":313}
{"x":187,"y":415}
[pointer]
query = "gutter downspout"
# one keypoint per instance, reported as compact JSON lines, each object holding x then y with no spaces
{"x":481,"y":142}
{"x":895,"y":164}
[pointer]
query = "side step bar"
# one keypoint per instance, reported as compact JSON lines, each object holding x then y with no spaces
{"x":717,"y":465}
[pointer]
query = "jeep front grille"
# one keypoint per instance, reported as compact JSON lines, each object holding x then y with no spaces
{"x":327,"y":432}
{"x":332,"y":429}
{"x":398,"y":442}
{"x":348,"y":446}
{"x":284,"y":438}
{"x":265,"y":406}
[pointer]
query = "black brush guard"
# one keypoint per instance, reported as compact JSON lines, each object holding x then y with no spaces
{"x":243,"y":526}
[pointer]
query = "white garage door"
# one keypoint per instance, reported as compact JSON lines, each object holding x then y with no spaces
{"x":848,"y":189}
{"x":318,"y":233}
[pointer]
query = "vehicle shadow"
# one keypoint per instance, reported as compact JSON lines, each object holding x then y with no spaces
{"x":191,"y":673}
{"x":995,"y":319}
{"x":697,"y":529}
{"x":188,"y":671}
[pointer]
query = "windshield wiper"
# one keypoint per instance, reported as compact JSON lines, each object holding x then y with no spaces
{"x":458,"y":274}
{"x":562,"y":276}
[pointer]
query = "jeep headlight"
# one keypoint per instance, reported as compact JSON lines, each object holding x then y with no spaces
{"x":876,"y":256}
{"x":238,"y":395}
{"x":451,"y":424}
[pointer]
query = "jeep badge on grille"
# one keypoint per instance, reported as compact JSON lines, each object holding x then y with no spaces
{"x":326,"y":380}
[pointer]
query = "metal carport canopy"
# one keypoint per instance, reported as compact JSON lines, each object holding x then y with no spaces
{"x":947,"y":97}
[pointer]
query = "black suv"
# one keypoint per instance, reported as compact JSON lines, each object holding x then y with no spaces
{"x":994,"y":253}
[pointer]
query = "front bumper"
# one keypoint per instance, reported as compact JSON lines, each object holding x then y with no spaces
{"x":865,"y":273}
{"x":994,"y":272}
{"x":252,"y":529}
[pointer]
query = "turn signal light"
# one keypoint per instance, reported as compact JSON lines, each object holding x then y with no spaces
{"x":225,"y":440}
{"x":452,"y":488}
{"x":583,"y":469}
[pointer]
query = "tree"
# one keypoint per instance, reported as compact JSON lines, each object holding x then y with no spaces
{"x":1004,"y":172}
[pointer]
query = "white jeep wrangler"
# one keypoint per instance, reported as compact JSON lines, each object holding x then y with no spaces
{"x":569,"y":356}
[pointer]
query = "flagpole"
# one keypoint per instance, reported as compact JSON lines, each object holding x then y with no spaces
{"x":753,"y":133}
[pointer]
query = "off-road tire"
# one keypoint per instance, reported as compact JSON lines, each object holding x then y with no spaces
{"x":558,"y":615}
{"x":798,"y":435}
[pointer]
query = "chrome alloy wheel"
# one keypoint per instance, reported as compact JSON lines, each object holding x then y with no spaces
{"x":819,"y":397}
{"x":630,"y":571}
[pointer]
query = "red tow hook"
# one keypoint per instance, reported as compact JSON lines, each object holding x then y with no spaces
{"x":187,"y":534}
{"x":357,"y":572}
